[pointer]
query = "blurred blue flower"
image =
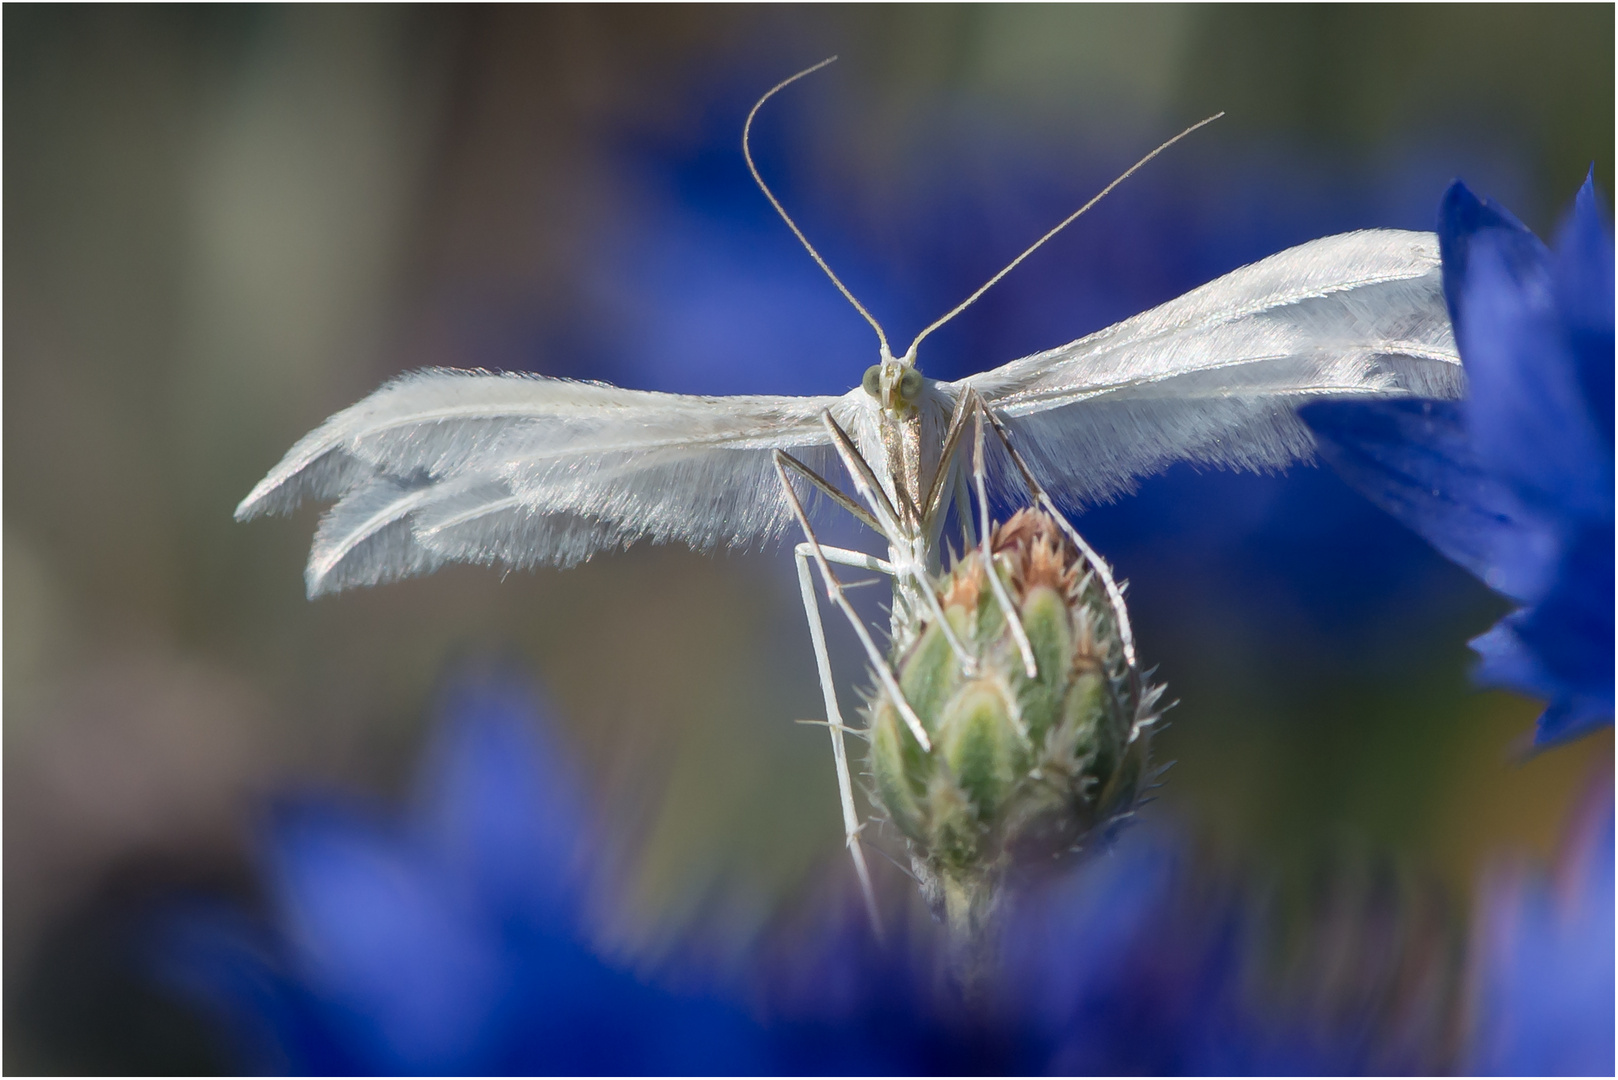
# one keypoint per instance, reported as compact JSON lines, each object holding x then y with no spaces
{"x":454,"y":940}
{"x":1123,"y":972}
{"x":1543,"y":979}
{"x":449,"y":942}
{"x":1516,"y":482}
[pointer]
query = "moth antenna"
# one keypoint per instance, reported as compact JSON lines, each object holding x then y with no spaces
{"x":747,"y":152}
{"x":910,"y":353}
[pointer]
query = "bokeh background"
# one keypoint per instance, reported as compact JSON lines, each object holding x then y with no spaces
{"x":222,"y":225}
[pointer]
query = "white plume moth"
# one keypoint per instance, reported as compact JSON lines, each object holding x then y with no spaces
{"x":523,"y":470}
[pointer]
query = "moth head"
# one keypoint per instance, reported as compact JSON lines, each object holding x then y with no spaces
{"x":895,"y":384}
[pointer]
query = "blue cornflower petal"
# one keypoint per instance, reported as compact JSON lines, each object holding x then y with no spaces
{"x":451,"y":941}
{"x":499,"y":805}
{"x":237,"y":971}
{"x":391,"y":944}
{"x":1569,"y":635}
{"x":1415,"y":460}
{"x":1583,"y":271}
{"x":1516,"y":482}
{"x":394,"y":955}
{"x":1508,"y":662}
{"x":1463,"y":219}
{"x":1543,"y":981}
{"x":1525,"y":407}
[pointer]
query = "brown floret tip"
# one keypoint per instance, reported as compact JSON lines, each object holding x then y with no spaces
{"x":1040,"y":553}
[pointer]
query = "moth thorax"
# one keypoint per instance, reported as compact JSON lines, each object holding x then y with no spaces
{"x":1022,"y":770}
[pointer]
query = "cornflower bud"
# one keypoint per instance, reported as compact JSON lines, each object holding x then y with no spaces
{"x":1021,"y":769}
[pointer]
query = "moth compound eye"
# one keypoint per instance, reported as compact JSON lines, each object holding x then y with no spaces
{"x":909,"y":384}
{"x":872,"y":383}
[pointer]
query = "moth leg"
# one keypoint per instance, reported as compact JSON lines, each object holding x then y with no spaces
{"x":1115,"y":595}
{"x":834,"y":591}
{"x":963,"y":511}
{"x":844,"y":557}
{"x":906,"y":565}
{"x":996,"y":586}
{"x":839,"y":753}
{"x":830,"y":491}
{"x":865,"y":481}
{"x":932,"y":506}
{"x":824,"y":556}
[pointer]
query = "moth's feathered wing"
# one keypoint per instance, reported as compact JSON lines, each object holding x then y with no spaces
{"x":1214,"y":376}
{"x":474,"y":466}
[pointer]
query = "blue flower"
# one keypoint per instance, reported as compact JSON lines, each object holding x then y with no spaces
{"x":1516,"y":482}
{"x":452,"y":939}
{"x":1543,"y":977}
{"x":448,"y":942}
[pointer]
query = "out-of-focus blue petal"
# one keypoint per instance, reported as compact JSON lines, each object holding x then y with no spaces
{"x":709,"y":308}
{"x":394,"y":955}
{"x":1118,"y":983}
{"x":1525,"y":408}
{"x":1571,"y":631}
{"x":498,"y":805}
{"x":1515,"y":483}
{"x":1134,"y":964}
{"x":1509,"y":664}
{"x":1414,"y":460}
{"x":235,"y":970}
{"x":1462,"y":220}
{"x":1075,"y":937}
{"x":567,"y":1011}
{"x":1543,"y":980}
{"x":1583,"y":271}
{"x":1506,"y":661}
{"x":393,"y":946}
{"x":436,"y":945}
{"x":1571,"y":716}
{"x":1561,"y":649}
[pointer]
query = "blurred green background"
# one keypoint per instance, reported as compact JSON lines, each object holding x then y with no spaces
{"x":224,"y":224}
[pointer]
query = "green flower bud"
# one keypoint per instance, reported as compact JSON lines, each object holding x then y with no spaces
{"x":1021,"y":769}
